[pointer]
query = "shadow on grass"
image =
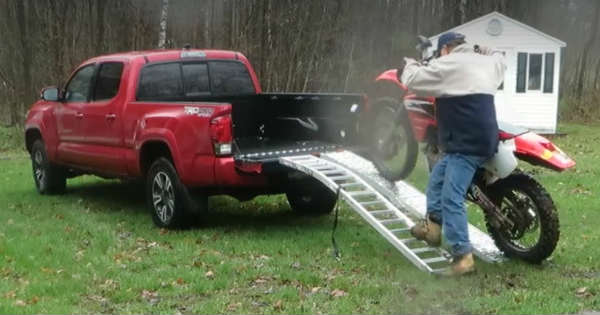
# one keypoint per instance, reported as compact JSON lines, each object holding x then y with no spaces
{"x":224,"y":212}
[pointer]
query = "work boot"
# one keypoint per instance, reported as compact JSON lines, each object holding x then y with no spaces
{"x":461,"y":265}
{"x":428,"y":231}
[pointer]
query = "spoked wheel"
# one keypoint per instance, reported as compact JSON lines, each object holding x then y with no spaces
{"x":535,"y":230}
{"x":168,"y":198}
{"x":395,"y":148}
{"x":163,"y":197}
{"x":48,"y":178}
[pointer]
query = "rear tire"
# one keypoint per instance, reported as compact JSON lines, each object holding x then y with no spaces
{"x":168,"y":198}
{"x":49,"y":178}
{"x":525,"y":201}
{"x":395,"y":148}
{"x":311,"y":197}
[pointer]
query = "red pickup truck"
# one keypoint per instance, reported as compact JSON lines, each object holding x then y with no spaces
{"x":190,"y":123}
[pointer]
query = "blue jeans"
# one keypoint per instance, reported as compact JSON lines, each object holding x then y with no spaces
{"x":448,"y":184}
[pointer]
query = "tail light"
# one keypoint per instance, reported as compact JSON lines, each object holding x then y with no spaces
{"x":222,"y":134}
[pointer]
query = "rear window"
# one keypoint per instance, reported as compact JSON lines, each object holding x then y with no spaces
{"x":176,"y":81}
{"x":230,"y":78}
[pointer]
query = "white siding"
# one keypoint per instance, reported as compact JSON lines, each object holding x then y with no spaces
{"x":534,"y":109}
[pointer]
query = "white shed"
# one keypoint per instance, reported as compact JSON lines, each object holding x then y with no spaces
{"x":529,"y":95}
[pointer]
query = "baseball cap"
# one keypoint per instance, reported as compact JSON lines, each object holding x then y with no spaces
{"x":447,"y":38}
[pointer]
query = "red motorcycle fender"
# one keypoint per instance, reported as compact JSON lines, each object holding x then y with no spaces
{"x":391,"y":76}
{"x":538,"y":150}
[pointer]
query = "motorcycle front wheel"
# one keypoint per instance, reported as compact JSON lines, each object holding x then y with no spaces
{"x":394,"y":147}
{"x":528,"y":205}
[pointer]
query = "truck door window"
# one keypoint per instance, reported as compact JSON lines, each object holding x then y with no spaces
{"x":108,"y":80}
{"x":78,"y":89}
{"x":230,"y":77}
{"x":195,"y":79}
{"x":160,"y":82}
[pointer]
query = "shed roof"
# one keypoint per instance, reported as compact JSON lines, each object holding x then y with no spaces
{"x":506,"y":18}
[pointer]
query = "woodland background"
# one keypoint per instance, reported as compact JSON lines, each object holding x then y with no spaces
{"x":294,"y":45}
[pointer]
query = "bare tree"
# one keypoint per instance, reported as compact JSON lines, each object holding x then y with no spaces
{"x":164,"y":17}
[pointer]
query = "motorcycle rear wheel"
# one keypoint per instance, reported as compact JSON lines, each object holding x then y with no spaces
{"x":536,"y":232}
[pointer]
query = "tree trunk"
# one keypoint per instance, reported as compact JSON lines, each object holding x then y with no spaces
{"x":100,"y":5}
{"x":27,"y":89}
{"x":586,"y":49}
{"x":164,"y":16}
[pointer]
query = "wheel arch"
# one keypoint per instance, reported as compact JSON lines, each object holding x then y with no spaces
{"x":152,"y":150}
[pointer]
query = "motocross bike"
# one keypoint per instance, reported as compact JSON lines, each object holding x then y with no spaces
{"x":519,"y":213}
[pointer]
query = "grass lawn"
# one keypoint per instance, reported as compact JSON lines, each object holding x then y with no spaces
{"x":95,"y":250}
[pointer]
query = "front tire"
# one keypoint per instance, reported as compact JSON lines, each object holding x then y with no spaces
{"x":49,"y":178}
{"x":395,"y":147}
{"x":167,"y":197}
{"x":522,"y":199}
{"x":309,"y":196}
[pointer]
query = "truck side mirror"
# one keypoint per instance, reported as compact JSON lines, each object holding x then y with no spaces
{"x":51,"y":94}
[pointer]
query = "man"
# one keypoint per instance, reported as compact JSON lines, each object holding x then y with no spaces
{"x":464,"y":83}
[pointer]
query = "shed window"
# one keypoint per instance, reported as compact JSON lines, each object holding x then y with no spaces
{"x":530,"y":68}
{"x":549,"y":73}
{"x":535,"y":72}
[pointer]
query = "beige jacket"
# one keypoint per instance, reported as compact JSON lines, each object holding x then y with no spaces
{"x":462,"y":72}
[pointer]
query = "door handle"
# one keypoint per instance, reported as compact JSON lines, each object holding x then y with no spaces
{"x":110,"y":116}
{"x":79,"y":115}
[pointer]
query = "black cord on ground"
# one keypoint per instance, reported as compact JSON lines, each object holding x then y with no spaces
{"x":336,"y":250}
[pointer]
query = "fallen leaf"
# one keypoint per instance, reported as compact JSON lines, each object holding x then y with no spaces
{"x":20,"y":303}
{"x":338,"y":293}
{"x":163,"y":231}
{"x":583,"y":292}
{"x":315,"y":290}
{"x":233,"y":306}
{"x":209,"y":274}
{"x":180,"y":281}
{"x":34,"y":300}
{"x":278,"y":305}
{"x":296,"y":265}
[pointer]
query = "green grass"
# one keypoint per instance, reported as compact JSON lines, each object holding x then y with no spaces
{"x":95,"y":250}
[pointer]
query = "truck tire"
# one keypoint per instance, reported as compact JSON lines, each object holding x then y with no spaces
{"x":311,"y":197}
{"x":167,"y":197}
{"x":48,"y":177}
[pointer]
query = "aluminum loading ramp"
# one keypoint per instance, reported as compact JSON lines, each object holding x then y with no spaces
{"x":389,"y":207}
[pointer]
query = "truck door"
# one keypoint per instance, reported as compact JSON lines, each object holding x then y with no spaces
{"x":69,"y":115}
{"x":102,"y":127}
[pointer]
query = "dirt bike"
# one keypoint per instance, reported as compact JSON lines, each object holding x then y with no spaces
{"x":519,"y":213}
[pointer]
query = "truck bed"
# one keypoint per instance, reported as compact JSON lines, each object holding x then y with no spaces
{"x":268,"y":126}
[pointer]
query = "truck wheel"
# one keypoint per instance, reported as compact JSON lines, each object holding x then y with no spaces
{"x":167,"y":197}
{"x":48,"y":178}
{"x":311,"y":197}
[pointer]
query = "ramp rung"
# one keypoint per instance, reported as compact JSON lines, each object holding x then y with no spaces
{"x":434,"y":260}
{"x":361,"y":193}
{"x":400,"y":230}
{"x":370,"y":203}
{"x":439,"y":270}
{"x":377,"y":212}
{"x":343,"y":177}
{"x":348,"y":185}
{"x":423,"y":250}
{"x":408,"y":240}
{"x":391,"y":221}
{"x":333,"y":171}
